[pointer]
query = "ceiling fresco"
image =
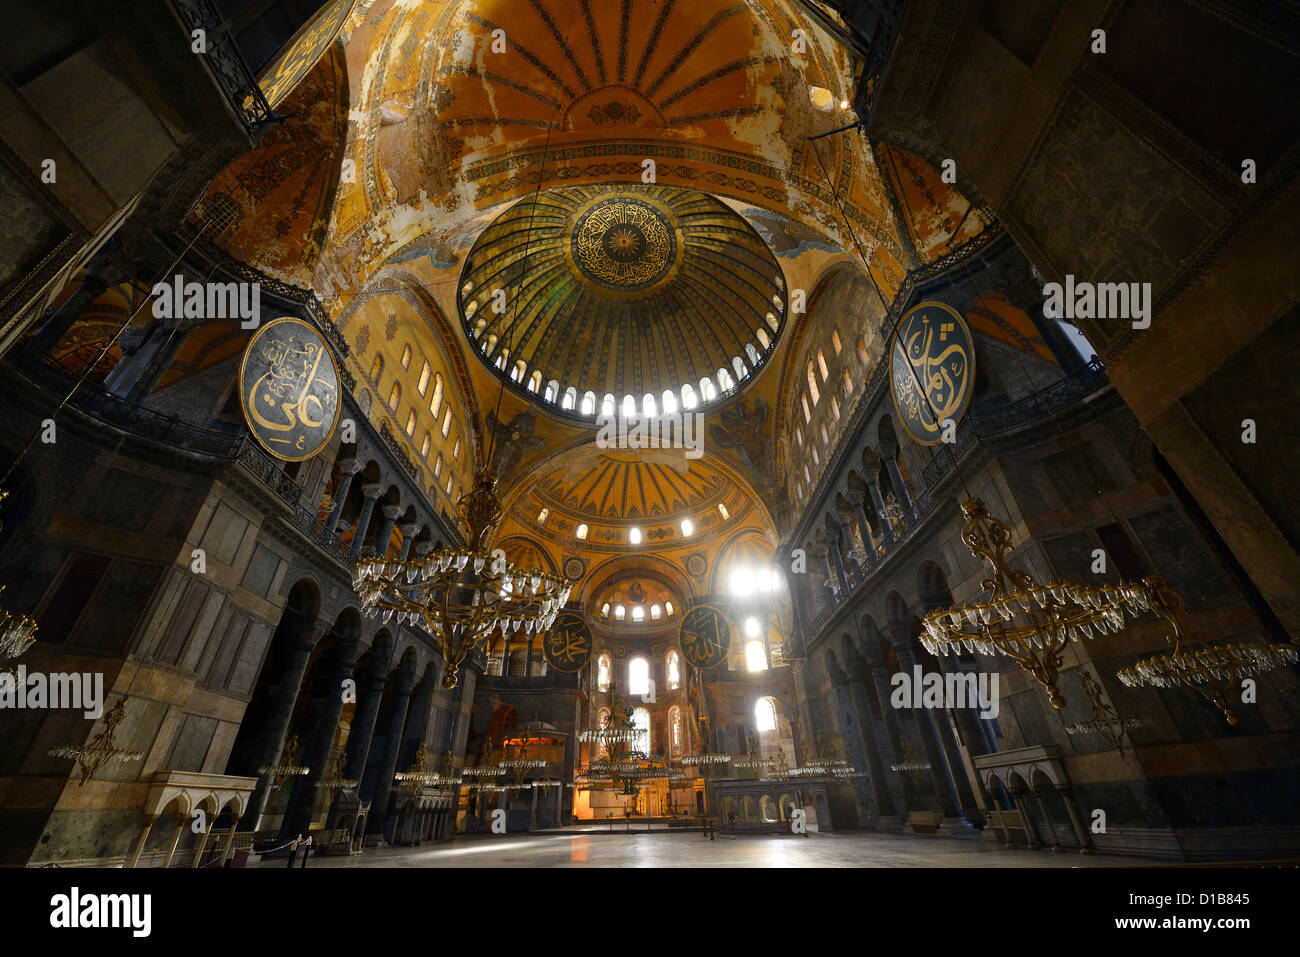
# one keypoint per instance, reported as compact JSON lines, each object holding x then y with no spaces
{"x":620,"y":290}
{"x":420,"y":169}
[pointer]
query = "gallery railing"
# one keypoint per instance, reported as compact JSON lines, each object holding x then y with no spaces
{"x":225,"y":63}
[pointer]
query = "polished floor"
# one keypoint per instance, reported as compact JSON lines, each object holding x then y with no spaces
{"x":589,"y":848}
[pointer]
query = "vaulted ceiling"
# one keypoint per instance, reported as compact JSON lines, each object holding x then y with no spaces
{"x":637,"y":176}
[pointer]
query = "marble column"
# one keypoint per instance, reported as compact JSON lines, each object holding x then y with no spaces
{"x":277,"y":724}
{"x":899,"y":636}
{"x":1085,"y":842}
{"x":388,"y":764}
{"x":864,"y":528}
{"x":1031,"y":835}
{"x":1047,"y":819}
{"x":363,"y":728}
{"x":889,"y":818}
{"x":901,"y":493}
{"x":837,"y":560}
{"x":100,"y":274}
{"x":328,"y":706}
{"x":348,"y":469}
{"x":371,"y":492}
{"x":203,"y":842}
{"x":409,"y":530}
{"x":149,"y":820}
{"x":893,"y":743}
{"x":229,"y":842}
{"x":176,"y":840}
{"x":384,"y":540}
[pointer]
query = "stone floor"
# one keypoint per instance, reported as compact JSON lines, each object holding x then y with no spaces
{"x":591,"y":848}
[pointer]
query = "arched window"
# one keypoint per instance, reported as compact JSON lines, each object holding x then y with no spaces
{"x":424,"y":447}
{"x":619,"y":612}
{"x":821,"y":365}
{"x":764,"y":339}
{"x":848,"y":383}
{"x":755,"y":656}
{"x":638,"y":674}
{"x":641,"y":721}
{"x":772,"y":321}
{"x":518,"y":372}
{"x":602,"y":675}
{"x":638,"y":613}
{"x":604,"y":610}
{"x":739,"y":365}
{"x":410,"y":423}
{"x":675,"y":728}
{"x":406,"y":357}
{"x":376,"y":369}
{"x":648,"y":405}
{"x":670,"y":402}
{"x":437,"y":467}
{"x":479,"y":327}
{"x":570,"y":397}
{"x":553,"y":392}
{"x":435,"y":404}
{"x":816,"y":458}
{"x":395,"y":396}
{"x":807,"y":416}
{"x":764,"y":715}
{"x":425,"y":372}
{"x":862,"y":351}
{"x":629,"y":406}
{"x":825,"y":437}
{"x":673,"y":667}
{"x":835,"y":341}
{"x":707,"y":392}
{"x":688,"y":397}
{"x":446,"y":423}
{"x":581,"y":531}
{"x":588,"y":403}
{"x":607,"y":405}
{"x":490,"y":344}
{"x":724,"y":380}
{"x":502,"y":356}
{"x":543,"y":515}
{"x":812,"y":383}
{"x":668,"y":607}
{"x":835,"y":408}
{"x":656,"y":612}
{"x":602,"y":721}
{"x":455,"y":453}
{"x":752,"y":352}
{"x":799,"y":436}
{"x":535,"y":381}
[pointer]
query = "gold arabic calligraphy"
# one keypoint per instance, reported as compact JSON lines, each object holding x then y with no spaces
{"x":932,"y":371}
{"x":293,"y":402}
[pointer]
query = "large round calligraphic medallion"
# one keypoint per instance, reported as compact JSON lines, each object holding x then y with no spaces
{"x":624,"y":243}
{"x":302,"y":52}
{"x":289,"y":389}
{"x":568,"y":643}
{"x":932,"y":370}
{"x":705,"y":637}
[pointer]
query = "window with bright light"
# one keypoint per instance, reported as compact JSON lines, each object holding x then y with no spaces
{"x":638,"y":676}
{"x":656,"y":612}
{"x":641,"y":721}
{"x":835,"y":341}
{"x":670,"y":402}
{"x":607,"y":405}
{"x":821,"y":364}
{"x":629,"y":406}
{"x":755,"y":656}
{"x":812,"y":383}
{"x":406,"y":358}
{"x":425,"y":372}
{"x":688,"y":527}
{"x":604,"y":610}
{"x":668,"y":607}
{"x":722,"y":510}
{"x":752,"y":627}
{"x":602,"y":674}
{"x":395,"y":396}
{"x":553,"y":392}
{"x":410,"y":423}
{"x":602,"y":721}
{"x":435,"y":404}
{"x":764,"y":715}
{"x":689,"y":401}
{"x":648,"y":405}
{"x":675,"y":727}
{"x":674,"y":668}
{"x":446,"y":423}
{"x":542,"y":516}
{"x":634,"y":535}
{"x":638,"y":613}
{"x":581,"y":532}
{"x":619,"y":612}
{"x":588,"y":403}
{"x":570,"y":397}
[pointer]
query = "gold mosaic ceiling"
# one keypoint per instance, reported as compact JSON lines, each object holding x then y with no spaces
{"x":623,"y":289}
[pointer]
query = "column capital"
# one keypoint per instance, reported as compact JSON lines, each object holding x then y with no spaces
{"x":423,"y":548}
{"x":409,"y":528}
{"x":392,"y":512}
{"x":372,"y":490}
{"x":350,"y":466}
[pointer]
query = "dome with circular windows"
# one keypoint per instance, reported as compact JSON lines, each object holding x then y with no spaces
{"x":624,"y":299}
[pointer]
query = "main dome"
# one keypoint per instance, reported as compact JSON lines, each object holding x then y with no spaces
{"x":589,"y":295}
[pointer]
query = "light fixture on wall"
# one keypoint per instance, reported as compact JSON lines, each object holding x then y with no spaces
{"x":1030,"y":623}
{"x":1211,"y":670}
{"x":462,"y":595}
{"x":101,"y":750}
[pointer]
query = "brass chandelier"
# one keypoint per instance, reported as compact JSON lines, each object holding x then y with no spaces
{"x":1028,"y":622}
{"x":462,"y":595}
{"x":1211,"y":670}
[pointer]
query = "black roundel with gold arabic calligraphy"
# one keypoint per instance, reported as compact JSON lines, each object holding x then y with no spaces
{"x":289,"y":389}
{"x":704,"y":636}
{"x":568,"y":643}
{"x":932,"y":370}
